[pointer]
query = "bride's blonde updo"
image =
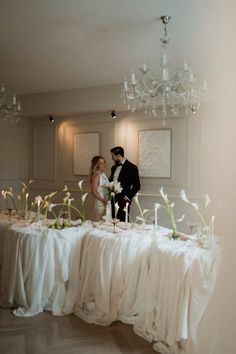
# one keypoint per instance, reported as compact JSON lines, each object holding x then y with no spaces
{"x":93,"y":167}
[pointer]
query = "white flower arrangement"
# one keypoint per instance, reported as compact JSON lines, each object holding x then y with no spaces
{"x":10,"y":200}
{"x":45,"y":205}
{"x":205,"y":231}
{"x":66,"y":204}
{"x":169,"y":207}
{"x":18,"y":203}
{"x":83,"y":197}
{"x":143,"y":213}
{"x":113,"y":189}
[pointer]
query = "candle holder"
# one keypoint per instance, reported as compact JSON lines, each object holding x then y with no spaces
{"x":205,"y":239}
{"x":114,"y":222}
{"x":191,"y":227}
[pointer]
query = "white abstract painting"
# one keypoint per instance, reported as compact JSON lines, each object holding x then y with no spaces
{"x":86,"y":145}
{"x":155,"y":153}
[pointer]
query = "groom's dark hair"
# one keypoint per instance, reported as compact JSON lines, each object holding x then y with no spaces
{"x":118,"y":150}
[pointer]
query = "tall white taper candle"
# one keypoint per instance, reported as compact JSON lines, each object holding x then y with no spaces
{"x":126,"y":212}
{"x":155,"y":209}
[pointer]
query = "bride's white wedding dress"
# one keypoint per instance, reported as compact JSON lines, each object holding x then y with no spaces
{"x":100,"y":208}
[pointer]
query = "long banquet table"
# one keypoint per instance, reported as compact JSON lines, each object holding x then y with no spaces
{"x":160,"y":286}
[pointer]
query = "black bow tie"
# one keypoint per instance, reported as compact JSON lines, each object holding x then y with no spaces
{"x":119,"y":164}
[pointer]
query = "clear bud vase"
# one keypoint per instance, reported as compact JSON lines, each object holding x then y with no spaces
{"x":142,"y":226}
{"x":115,"y":222}
{"x":203,"y":239}
{"x":108,"y":216}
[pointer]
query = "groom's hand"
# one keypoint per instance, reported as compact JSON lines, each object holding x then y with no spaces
{"x":122,"y":202}
{"x":127,"y":199}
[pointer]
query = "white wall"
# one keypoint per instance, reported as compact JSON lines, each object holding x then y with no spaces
{"x":14,"y":151}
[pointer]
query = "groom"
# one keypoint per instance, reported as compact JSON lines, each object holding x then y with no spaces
{"x":126,"y":173}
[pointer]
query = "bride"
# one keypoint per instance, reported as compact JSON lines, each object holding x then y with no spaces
{"x":98,"y":181}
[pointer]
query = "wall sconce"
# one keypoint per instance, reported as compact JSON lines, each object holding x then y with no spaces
{"x":51,"y":119}
{"x":113,"y":114}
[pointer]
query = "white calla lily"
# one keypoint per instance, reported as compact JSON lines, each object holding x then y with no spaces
{"x":80,"y":183}
{"x":38,"y":199}
{"x":116,"y":208}
{"x":183,"y":196}
{"x":24,"y":185}
{"x":84,"y":197}
{"x":51,"y":195}
{"x":70,"y":200}
{"x":207,"y":200}
{"x":164,"y":196}
{"x":195,"y":206}
{"x":51,"y":206}
{"x":181,"y":219}
{"x":139,"y":218}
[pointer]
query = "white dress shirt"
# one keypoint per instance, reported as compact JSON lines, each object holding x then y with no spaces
{"x":117,"y":171}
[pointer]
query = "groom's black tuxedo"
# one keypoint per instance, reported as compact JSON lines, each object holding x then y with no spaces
{"x":129,"y":180}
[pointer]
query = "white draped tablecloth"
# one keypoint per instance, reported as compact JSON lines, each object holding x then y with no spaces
{"x":39,"y":267}
{"x":161,"y":286}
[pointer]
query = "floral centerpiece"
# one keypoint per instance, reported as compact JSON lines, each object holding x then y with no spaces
{"x":19,"y":202}
{"x":61,"y":210}
{"x":169,"y":207}
{"x":113,"y":189}
{"x":9,"y":199}
{"x":143,"y":213}
{"x":40,"y":207}
{"x":205,"y":231}
{"x":65,"y":207}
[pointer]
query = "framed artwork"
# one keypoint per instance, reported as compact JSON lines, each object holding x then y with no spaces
{"x":86,"y":145}
{"x":155,"y":153}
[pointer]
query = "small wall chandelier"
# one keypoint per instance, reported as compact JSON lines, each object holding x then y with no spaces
{"x":160,"y":93}
{"x":10,"y":112}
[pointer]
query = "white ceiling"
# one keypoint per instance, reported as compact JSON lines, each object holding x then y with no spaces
{"x":51,"y":45}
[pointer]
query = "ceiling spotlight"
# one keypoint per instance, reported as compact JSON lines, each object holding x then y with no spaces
{"x":51,"y":119}
{"x":113,"y":114}
{"x":194,"y":109}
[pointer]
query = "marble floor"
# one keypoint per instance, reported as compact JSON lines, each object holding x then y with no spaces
{"x":47,"y":334}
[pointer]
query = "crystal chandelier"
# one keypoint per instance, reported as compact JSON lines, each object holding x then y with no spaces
{"x":10,"y":112}
{"x":161,"y":93}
